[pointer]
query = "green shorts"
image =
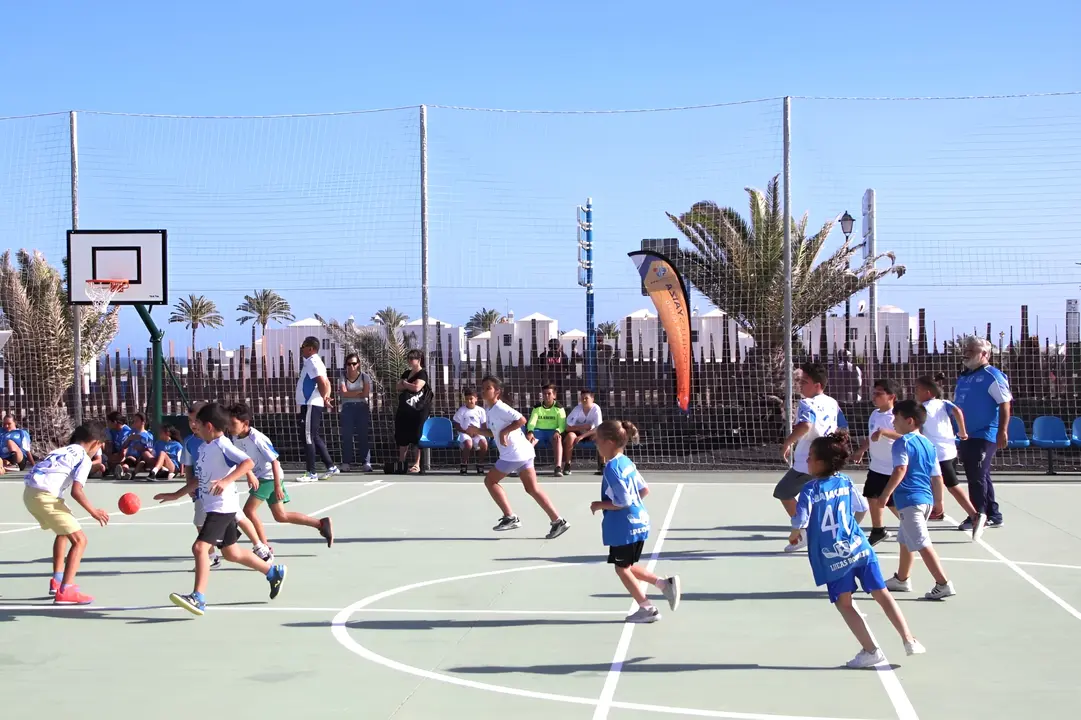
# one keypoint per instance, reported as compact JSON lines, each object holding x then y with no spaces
{"x":266,"y":492}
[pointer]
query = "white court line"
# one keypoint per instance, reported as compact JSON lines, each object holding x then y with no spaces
{"x":379,"y":485}
{"x":989,"y":561}
{"x":1031,"y":580}
{"x":608,"y":692}
{"x":274,"y":608}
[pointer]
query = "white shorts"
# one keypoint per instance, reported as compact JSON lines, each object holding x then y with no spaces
{"x":912,"y":530}
{"x":462,"y":438}
{"x":200,"y":513}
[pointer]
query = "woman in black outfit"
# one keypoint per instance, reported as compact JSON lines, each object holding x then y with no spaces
{"x":414,"y":406}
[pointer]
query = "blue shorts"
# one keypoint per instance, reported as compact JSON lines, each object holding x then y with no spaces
{"x":869,"y":575}
{"x":544,"y":437}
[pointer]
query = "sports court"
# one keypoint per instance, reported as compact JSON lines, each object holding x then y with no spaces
{"x":420,"y":610}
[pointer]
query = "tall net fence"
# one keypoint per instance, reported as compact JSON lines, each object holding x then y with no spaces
{"x":324,"y":212}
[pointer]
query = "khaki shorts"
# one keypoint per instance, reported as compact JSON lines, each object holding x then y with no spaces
{"x":912,"y":530}
{"x":51,"y":512}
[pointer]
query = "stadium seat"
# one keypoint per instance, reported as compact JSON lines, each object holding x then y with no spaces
{"x":1075,"y":432}
{"x":438,"y":434}
{"x":1015,"y":433}
{"x":589,"y":444}
{"x":1049,"y":433}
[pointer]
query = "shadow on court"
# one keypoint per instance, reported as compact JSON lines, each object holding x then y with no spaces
{"x":454,"y":624}
{"x":725,"y":596}
{"x":403,"y":538}
{"x":672,"y":555}
{"x":79,"y":614}
{"x":635,"y":665}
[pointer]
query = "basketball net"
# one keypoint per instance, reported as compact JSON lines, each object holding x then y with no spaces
{"x":102,"y":292}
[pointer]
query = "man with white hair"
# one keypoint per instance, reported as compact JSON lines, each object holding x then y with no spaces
{"x":983,"y":394}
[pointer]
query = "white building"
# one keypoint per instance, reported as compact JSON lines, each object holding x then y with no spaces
{"x":452,"y":337}
{"x":648,"y":334}
{"x":899,"y":323}
{"x":504,"y":336}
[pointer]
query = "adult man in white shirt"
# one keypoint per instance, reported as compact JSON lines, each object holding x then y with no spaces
{"x":313,"y":397}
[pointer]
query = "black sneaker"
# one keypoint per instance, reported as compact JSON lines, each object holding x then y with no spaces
{"x":567,"y":469}
{"x":877,"y":535}
{"x":559,"y":527}
{"x":508,"y":523}
{"x":325,"y":531}
{"x":463,"y":469}
{"x":994,"y":523}
{"x":276,"y":580}
{"x":966,"y":525}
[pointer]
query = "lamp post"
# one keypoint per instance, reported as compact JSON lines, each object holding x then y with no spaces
{"x":847,"y":221}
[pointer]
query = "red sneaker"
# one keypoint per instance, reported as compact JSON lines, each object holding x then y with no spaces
{"x":71,"y":596}
{"x":54,"y":586}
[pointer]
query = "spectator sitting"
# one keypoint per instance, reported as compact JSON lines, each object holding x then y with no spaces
{"x":582,"y":425}
{"x":554,"y":355}
{"x":15,"y":445}
{"x":138,"y":448}
{"x":118,"y":435}
{"x":167,"y":451}
{"x":546,"y":426}
{"x":470,"y":414}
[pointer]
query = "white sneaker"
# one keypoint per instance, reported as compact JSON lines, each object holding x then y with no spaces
{"x":940,"y":592}
{"x":800,"y":545}
{"x":308,"y":477}
{"x":896,"y":584}
{"x":644,"y":615}
{"x":866,"y":659}
{"x":263,"y":552}
{"x":978,"y":527}
{"x":672,"y":591}
{"x":914,"y":648}
{"x":215,"y":561}
{"x":331,"y":472}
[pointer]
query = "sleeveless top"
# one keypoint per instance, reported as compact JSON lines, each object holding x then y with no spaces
{"x":353,"y":386}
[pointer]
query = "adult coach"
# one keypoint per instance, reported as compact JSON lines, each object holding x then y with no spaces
{"x":313,"y":397}
{"x":983,"y":394}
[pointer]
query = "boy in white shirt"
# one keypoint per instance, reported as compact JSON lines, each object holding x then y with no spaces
{"x":218,"y":467}
{"x":62,"y":469}
{"x":879,"y":440}
{"x":516,"y":454}
{"x":582,"y":425}
{"x":816,"y":417}
{"x":268,"y":473}
{"x":471,"y":415}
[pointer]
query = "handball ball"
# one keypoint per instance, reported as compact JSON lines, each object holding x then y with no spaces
{"x":129,"y":503}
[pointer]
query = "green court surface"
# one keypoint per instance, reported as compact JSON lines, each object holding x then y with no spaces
{"x":420,"y":610}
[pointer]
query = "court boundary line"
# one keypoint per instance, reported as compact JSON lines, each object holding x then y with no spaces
{"x":623,"y":646}
{"x":48,"y":607}
{"x":1025,"y":576}
{"x":375,"y":485}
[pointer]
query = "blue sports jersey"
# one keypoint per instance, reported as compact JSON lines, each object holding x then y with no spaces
{"x":835,"y":543}
{"x":144,"y":440}
{"x":117,"y":437}
{"x":919,"y":454}
{"x":21,"y":438}
{"x":979,"y":392}
{"x":622,"y":485}
{"x":171,"y":448}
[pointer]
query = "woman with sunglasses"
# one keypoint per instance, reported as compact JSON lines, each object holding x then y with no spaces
{"x":355,"y":388}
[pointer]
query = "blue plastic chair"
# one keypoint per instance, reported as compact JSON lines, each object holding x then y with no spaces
{"x":1015,"y":434}
{"x":1049,"y":433}
{"x":438,"y":434}
{"x":1075,"y":432}
{"x":589,"y":444}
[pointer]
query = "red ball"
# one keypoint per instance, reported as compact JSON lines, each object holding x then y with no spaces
{"x":129,"y":503}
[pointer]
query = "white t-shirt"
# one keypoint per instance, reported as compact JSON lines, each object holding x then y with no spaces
{"x":579,"y":416}
{"x":882,"y":449}
{"x":517,"y":449}
{"x":939,"y":428}
{"x":307,"y":389}
{"x":821,"y":412}
{"x":59,"y":469}
{"x":258,"y":447}
{"x":217,"y":459}
{"x":466,"y":417}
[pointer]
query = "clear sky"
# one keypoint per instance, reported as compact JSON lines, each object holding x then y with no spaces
{"x":978,"y":198}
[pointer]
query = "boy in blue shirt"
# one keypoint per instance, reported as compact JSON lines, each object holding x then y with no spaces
{"x":625,"y":523}
{"x":916,"y":486}
{"x":14,"y":445}
{"x":838,"y":550}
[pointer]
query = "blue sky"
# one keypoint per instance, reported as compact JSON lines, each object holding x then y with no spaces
{"x":978,"y":198}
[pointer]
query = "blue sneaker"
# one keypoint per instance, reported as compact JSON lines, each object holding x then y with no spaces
{"x":192,"y":603}
{"x":276,"y":578}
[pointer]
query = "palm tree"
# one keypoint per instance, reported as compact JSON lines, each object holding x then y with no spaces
{"x":608,"y":330}
{"x":261,"y":309}
{"x":481,"y":321}
{"x":738,"y":265}
{"x":196,"y":312}
{"x":40,"y":354}
{"x":390,"y":318}
{"x":382,"y":356}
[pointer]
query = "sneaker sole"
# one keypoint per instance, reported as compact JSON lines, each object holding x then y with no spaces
{"x":180,"y":603}
{"x":278,"y":588}
{"x":68,"y":602}
{"x":558,"y":531}
{"x":329,"y":536}
{"x":504,"y":528}
{"x":644,"y":621}
{"x":677,"y":593}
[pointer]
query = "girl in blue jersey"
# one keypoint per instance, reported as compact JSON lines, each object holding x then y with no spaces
{"x":625,"y":524}
{"x":837,"y":548}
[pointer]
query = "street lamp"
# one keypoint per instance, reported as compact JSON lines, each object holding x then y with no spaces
{"x":847,"y":221}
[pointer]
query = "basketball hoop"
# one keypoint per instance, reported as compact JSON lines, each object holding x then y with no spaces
{"x":102,"y":292}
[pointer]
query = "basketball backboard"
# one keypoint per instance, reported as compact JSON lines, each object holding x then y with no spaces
{"x":138,"y":256}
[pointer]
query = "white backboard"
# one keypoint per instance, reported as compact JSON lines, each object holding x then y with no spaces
{"x":138,"y":256}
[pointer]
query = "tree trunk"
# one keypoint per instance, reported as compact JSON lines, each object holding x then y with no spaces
{"x":253,"y":339}
{"x":194,"y":350}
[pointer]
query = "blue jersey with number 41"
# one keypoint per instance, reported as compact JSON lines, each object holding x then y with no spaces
{"x":835,"y":543}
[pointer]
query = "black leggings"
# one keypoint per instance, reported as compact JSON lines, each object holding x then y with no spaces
{"x":311,"y":418}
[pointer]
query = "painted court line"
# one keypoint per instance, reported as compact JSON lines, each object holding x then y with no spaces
{"x":379,"y":485}
{"x":275,"y":608}
{"x":604,"y":702}
{"x":1031,"y":580}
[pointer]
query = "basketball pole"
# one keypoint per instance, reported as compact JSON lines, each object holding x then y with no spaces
{"x":158,"y":359}
{"x":76,"y":310}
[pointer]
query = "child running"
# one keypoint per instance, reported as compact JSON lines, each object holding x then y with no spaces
{"x":939,"y":430}
{"x":471,"y":415}
{"x":268,"y":471}
{"x":838,"y":549}
{"x":219,"y":465}
{"x":46,"y":482}
{"x":625,"y":523}
{"x":516,"y":454}
{"x":917,"y":481}
{"x":880,"y":437}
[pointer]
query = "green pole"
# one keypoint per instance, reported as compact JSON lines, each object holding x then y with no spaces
{"x":156,"y":336}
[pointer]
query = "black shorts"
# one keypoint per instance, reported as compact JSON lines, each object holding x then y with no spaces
{"x":220,"y":529}
{"x":876,"y":485}
{"x":949,"y":473}
{"x":624,"y":556}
